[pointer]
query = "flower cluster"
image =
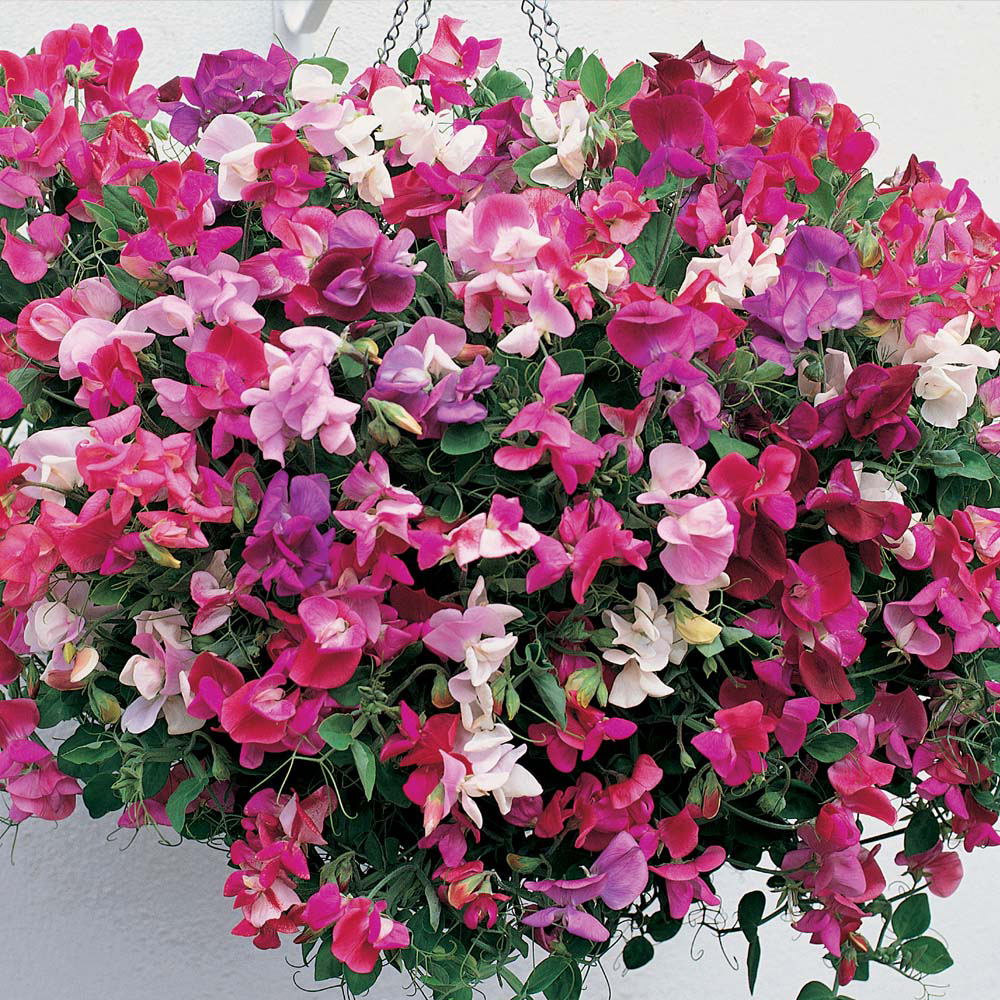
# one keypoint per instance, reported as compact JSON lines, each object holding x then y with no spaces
{"x":486,"y":513}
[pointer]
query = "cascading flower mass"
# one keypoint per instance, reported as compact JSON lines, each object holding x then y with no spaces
{"x":488,"y":514}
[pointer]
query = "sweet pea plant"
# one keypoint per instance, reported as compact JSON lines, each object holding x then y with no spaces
{"x":489,"y":514}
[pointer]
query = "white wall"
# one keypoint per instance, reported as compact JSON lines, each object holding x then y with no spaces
{"x":87,"y":920}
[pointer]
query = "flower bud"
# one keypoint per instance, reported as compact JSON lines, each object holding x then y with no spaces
{"x":696,"y":629}
{"x":84,"y":662}
{"x":440,"y":695}
{"x":339,"y":870}
{"x":519,"y":863}
{"x":105,"y":705}
{"x":584,"y":683}
{"x":159,"y":555}
{"x":867,"y":248}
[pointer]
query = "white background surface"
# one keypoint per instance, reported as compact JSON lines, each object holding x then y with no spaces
{"x":85,"y":919}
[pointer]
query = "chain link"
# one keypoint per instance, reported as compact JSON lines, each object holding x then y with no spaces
{"x":392,"y":35}
{"x":423,"y":23}
{"x":537,"y":31}
{"x":540,"y":25}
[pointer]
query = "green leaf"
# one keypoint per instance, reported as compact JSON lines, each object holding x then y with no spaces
{"x":726,"y":445}
{"x":637,"y":953}
{"x":154,"y":777}
{"x":107,"y":228}
{"x":335,"y":731}
{"x":361,"y":982}
{"x":970,"y":466}
{"x":593,"y":80}
{"x":465,"y":439}
{"x":647,"y":248}
{"x":545,"y":973}
{"x":27,"y":381}
{"x":927,"y":955}
{"x":573,"y":63}
{"x":662,"y":927}
{"x":587,"y":419}
{"x":523,"y":165}
{"x":336,"y":68}
{"x":753,"y":963}
{"x":84,"y":748}
{"x":749,"y":913}
{"x":503,"y":85}
{"x":99,"y":797}
{"x":822,"y":202}
{"x":407,"y":62}
{"x":571,"y":361}
{"x":830,"y":747}
{"x":183,"y":795}
{"x":133,"y":291}
{"x":858,"y":196}
{"x":912,"y":917}
{"x":327,"y":966}
{"x":551,"y":694}
{"x":922,"y":833}
{"x":625,"y":85}
{"x":364,"y":761}
{"x":124,"y":209}
{"x":815,"y":991}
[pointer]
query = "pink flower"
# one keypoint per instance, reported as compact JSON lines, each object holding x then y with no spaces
{"x":29,"y":262}
{"x":735,"y":746}
{"x":33,"y":782}
{"x":450,"y":61}
{"x":574,"y":459}
{"x":547,"y":317}
{"x":360,"y":928}
{"x":258,"y":712}
{"x":299,"y":401}
{"x":493,"y":535}
{"x":684,"y":881}
{"x":590,"y":534}
{"x":628,"y":426}
{"x":942,"y":869}
{"x":699,"y":539}
{"x":661,"y":338}
{"x":18,"y":719}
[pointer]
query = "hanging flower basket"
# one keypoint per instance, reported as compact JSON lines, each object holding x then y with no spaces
{"x":489,"y":514}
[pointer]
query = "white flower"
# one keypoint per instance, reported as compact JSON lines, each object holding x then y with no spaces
{"x":53,"y":454}
{"x":949,"y":367}
{"x":493,"y":757}
{"x":314,"y":84}
{"x":734,"y":269}
{"x":648,"y":645}
{"x":877,"y":486}
{"x":605,"y":272}
{"x":567,"y":133}
{"x":369,"y":175}
{"x":837,"y":370}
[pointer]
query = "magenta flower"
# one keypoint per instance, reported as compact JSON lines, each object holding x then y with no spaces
{"x":574,"y":459}
{"x":230,"y":81}
{"x":590,"y":534}
{"x":736,"y":745}
{"x":684,"y":882}
{"x":363,"y":270}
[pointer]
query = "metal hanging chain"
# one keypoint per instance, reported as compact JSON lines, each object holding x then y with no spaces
{"x":540,"y":25}
{"x":423,"y":23}
{"x":392,"y":35}
{"x":537,"y":31}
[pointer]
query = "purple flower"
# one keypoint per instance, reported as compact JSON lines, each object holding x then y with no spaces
{"x":819,"y":289}
{"x":227,"y":82}
{"x":287,"y":549}
{"x":617,"y":878}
